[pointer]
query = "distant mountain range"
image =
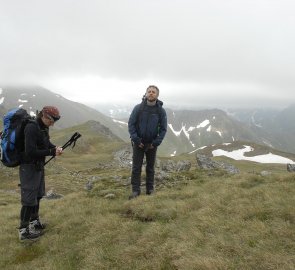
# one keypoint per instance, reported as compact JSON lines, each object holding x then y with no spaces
{"x":188,"y":130}
{"x":33,"y":98}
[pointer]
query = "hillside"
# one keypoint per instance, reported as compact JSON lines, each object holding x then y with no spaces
{"x":187,"y":130}
{"x":276,"y":127}
{"x":33,"y":98}
{"x":197,"y":219}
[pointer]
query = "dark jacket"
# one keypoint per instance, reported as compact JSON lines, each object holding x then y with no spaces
{"x":148,"y":124}
{"x":37,"y":143}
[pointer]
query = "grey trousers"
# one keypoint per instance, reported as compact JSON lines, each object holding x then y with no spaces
{"x":32,"y":184}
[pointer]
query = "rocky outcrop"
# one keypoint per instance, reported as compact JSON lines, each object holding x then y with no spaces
{"x":124,"y":157}
{"x":290,"y":167}
{"x":173,"y":166}
{"x":205,"y":162}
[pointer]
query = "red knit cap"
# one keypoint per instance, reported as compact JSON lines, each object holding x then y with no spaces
{"x":52,"y":112}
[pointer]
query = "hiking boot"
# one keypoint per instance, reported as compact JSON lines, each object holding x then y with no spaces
{"x":134,"y":195}
{"x":27,"y":234}
{"x":37,"y":224}
{"x":150,"y":192}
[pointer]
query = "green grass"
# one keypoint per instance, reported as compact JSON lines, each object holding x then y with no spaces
{"x":196,"y":219}
{"x":202,"y":221}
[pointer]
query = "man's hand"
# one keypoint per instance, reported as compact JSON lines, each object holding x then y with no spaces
{"x":141,"y":145}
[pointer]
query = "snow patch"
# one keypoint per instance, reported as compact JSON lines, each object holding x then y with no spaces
{"x":219,"y":132}
{"x":120,"y":122}
{"x":22,"y":101}
{"x":239,"y":155}
{"x":173,"y":155}
{"x":177,"y":133}
{"x":203,"y":124}
{"x":1,"y":100}
{"x":209,"y":128}
{"x":191,"y":129}
{"x":197,"y":149}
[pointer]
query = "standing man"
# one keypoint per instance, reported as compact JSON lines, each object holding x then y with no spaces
{"x":147,"y":127}
{"x":31,"y":171}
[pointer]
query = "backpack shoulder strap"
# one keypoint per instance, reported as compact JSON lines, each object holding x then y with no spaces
{"x":141,"y":109}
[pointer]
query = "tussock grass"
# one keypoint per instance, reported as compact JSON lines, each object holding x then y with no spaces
{"x":209,"y":221}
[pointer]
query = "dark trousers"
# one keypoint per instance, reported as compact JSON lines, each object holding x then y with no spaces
{"x":32,"y":190}
{"x":137,"y":160}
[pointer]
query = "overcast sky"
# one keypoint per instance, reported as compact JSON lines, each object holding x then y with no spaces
{"x":203,"y":53}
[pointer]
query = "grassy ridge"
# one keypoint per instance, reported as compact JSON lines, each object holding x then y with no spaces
{"x":196,"y":220}
{"x":220,"y":221}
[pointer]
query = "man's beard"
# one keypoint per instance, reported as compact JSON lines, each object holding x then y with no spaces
{"x":151,"y":99}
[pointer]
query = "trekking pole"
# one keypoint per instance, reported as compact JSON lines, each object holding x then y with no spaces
{"x":72,"y":140}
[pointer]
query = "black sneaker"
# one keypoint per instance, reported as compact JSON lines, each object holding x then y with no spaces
{"x":149,"y":192}
{"x":27,"y":234}
{"x":134,"y":195}
{"x":37,"y":224}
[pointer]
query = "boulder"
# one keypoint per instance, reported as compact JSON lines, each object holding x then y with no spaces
{"x":290,"y":167}
{"x":183,"y":165}
{"x":51,"y":195}
{"x":205,"y":162}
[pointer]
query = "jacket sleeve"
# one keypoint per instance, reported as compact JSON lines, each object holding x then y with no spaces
{"x":162,"y":129}
{"x":51,"y":145}
{"x":31,"y":149}
{"x":132,"y":126}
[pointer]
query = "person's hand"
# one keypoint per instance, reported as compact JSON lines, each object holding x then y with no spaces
{"x":58,"y":151}
{"x":151,"y":146}
{"x":141,"y":145}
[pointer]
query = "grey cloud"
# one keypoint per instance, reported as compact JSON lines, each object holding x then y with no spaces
{"x":241,"y":42}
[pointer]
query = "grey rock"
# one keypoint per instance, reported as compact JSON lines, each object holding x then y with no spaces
{"x":89,"y":185}
{"x":124,"y":157}
{"x":183,"y":165}
{"x":265,"y":173}
{"x":51,"y":195}
{"x":161,"y":176}
{"x":110,"y":196}
{"x":290,"y":167}
{"x":205,"y":162}
{"x":168,"y":165}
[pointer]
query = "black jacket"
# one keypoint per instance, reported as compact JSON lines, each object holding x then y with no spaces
{"x":148,"y":124}
{"x":37,"y":143}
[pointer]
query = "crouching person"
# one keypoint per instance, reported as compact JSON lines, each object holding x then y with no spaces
{"x":31,"y":170}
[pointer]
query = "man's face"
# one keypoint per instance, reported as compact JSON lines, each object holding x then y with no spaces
{"x":151,"y":94}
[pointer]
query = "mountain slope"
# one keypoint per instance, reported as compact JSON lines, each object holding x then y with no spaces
{"x":97,"y":144}
{"x":72,"y":113}
{"x":195,"y":129}
{"x":187,"y":130}
{"x":276,"y":127}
